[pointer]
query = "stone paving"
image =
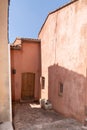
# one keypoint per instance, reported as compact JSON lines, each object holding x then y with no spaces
{"x":6,"y":126}
{"x":28,"y":116}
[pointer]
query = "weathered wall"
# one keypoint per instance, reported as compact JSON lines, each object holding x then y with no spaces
{"x":5,"y":111}
{"x":25,"y":60}
{"x":64,"y":58}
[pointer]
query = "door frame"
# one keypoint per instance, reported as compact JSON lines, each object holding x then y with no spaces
{"x":22,"y":84}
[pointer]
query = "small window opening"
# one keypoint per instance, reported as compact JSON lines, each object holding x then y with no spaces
{"x":14,"y":71}
{"x":43,"y":82}
{"x":60,"y":89}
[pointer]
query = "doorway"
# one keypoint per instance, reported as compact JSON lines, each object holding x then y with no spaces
{"x":28,"y":85}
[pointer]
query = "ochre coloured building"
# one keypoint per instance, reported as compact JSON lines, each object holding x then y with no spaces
{"x":25,"y":69}
{"x":5,"y":87}
{"x":54,"y":67}
{"x":64,"y":59}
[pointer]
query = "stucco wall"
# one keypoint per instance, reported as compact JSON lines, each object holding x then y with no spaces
{"x":25,"y":60}
{"x":64,"y":58}
{"x":4,"y":69}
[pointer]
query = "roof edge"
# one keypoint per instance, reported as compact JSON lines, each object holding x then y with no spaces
{"x":56,"y":11}
{"x":30,"y":39}
{"x":63,"y":6}
{"x":27,"y":40}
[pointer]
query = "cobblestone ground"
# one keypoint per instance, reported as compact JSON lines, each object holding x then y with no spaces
{"x":28,"y":116}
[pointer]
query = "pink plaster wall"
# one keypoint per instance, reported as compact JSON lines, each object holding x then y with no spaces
{"x":5,"y":95}
{"x":27,"y":59}
{"x":64,"y":59}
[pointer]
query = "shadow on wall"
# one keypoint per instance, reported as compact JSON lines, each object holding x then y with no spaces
{"x":67,"y":91}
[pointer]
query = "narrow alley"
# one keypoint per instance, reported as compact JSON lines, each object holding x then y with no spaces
{"x":29,"y":116}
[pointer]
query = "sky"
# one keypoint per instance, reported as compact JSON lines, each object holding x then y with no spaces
{"x":27,"y":16}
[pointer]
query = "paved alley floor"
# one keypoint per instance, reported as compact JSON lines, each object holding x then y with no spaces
{"x":6,"y":126}
{"x":28,"y":116}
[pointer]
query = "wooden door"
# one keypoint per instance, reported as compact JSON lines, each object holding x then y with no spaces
{"x":28,"y":83}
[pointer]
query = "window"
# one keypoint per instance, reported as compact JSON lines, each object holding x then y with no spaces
{"x":60,"y":90}
{"x":14,"y":71}
{"x":43,"y":82}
